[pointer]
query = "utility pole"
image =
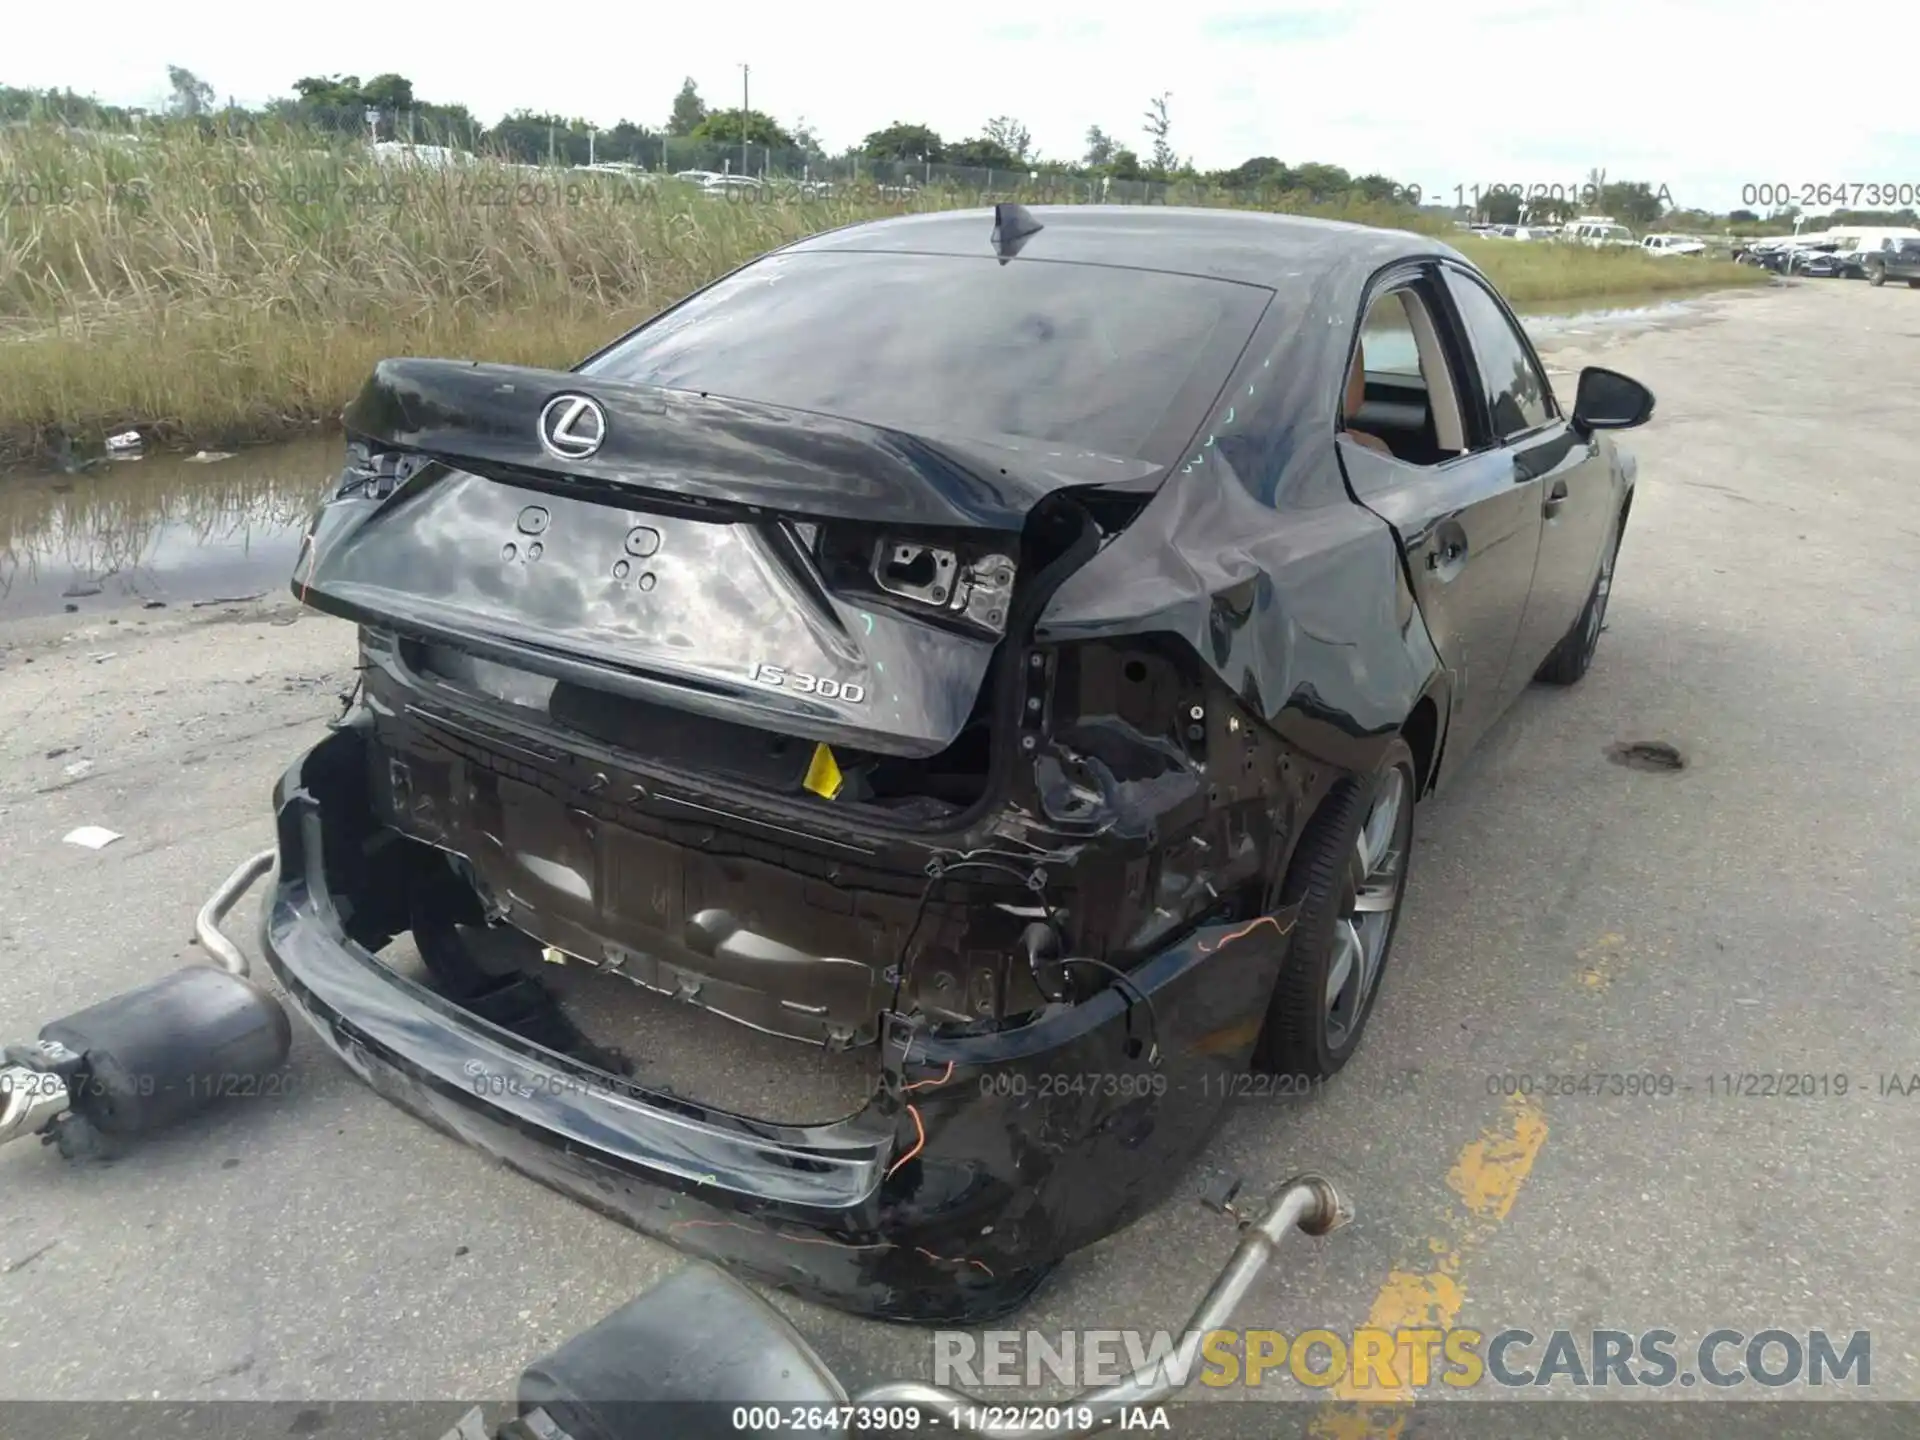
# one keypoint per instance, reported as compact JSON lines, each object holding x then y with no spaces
{"x":745,"y":105}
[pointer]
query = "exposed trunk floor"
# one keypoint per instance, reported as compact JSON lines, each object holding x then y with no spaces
{"x":678,"y":1047}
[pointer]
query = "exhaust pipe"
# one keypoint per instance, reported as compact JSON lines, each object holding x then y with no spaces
{"x":206,"y":925}
{"x":1307,"y":1203}
{"x":142,"y":1061}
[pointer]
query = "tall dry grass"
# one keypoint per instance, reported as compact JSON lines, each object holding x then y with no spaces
{"x":216,"y":290}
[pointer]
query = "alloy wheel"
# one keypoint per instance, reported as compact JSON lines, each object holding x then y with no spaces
{"x":1597,"y":611}
{"x":1377,"y":880}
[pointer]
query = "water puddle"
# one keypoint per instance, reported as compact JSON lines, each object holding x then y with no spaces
{"x":1544,"y":323}
{"x":1644,"y":310}
{"x":160,"y":529}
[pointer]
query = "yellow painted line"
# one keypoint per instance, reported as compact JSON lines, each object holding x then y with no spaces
{"x":1489,"y":1173}
{"x":1427,"y":1294}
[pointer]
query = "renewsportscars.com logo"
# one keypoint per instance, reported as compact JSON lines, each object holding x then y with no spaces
{"x":1369,"y":1362}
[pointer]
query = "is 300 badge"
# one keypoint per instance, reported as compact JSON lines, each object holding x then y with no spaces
{"x":802,"y":683}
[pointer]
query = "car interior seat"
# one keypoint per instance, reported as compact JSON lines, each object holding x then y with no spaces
{"x":1356,"y":397}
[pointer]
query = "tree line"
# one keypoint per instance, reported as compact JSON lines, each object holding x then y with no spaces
{"x":695,"y":134}
{"x":386,"y":107}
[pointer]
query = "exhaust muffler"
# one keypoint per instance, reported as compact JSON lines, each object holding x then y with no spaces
{"x":147,"y":1059}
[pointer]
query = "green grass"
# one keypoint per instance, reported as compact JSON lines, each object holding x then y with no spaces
{"x":1535,"y":273}
{"x":214,"y":291}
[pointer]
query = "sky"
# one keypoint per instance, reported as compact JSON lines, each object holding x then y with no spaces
{"x":1705,"y":98}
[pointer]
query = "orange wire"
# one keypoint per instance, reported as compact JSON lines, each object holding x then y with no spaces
{"x":941,"y":1081}
{"x":1244,"y":930}
{"x":945,"y":1261}
{"x":918,"y":1145}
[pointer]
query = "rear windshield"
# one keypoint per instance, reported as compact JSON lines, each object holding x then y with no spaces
{"x":1121,"y":362}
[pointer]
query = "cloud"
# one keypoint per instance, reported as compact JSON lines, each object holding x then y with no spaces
{"x":1697,"y":95}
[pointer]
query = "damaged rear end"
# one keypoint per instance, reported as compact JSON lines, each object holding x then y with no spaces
{"x":739,"y":702}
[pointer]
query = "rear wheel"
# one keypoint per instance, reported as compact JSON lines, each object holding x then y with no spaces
{"x":1877,"y":275}
{"x":1349,"y":875}
{"x":1572,"y":657}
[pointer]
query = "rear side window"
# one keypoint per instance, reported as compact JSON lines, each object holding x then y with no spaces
{"x":1388,"y":337}
{"x":1120,"y":362}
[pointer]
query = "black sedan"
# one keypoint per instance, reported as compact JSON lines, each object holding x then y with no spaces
{"x":1005,"y":644}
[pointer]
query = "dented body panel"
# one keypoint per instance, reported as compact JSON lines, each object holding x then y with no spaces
{"x":979,"y":1163}
{"x":976,"y":733}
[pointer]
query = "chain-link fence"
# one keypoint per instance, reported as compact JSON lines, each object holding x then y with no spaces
{"x":707,"y":161}
{"x":434,"y":137}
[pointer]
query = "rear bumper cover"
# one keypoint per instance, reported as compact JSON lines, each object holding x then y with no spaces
{"x":978,"y":1164}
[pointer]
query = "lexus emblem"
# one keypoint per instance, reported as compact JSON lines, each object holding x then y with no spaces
{"x":572,"y":427}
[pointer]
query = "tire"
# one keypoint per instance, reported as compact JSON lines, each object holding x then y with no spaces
{"x":1573,"y":656}
{"x":1340,"y":858}
{"x":1877,"y":276}
{"x":1913,"y":284}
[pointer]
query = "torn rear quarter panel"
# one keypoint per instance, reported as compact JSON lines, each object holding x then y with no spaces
{"x":565,"y":691}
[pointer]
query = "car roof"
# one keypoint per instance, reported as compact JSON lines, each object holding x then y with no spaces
{"x":1249,"y":247}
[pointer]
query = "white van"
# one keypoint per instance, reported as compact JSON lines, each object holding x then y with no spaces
{"x":1672,"y":245}
{"x":1597,"y":230}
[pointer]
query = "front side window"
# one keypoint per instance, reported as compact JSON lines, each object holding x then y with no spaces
{"x":1119,"y":362}
{"x":1517,"y":393}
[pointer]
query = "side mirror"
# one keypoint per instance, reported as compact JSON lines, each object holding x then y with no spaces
{"x":1608,"y":400}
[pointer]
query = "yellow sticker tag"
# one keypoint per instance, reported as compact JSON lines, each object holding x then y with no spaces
{"x":823,"y":775}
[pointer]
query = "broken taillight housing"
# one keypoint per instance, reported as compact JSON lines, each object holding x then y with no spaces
{"x":373,"y":473}
{"x":966,"y":581}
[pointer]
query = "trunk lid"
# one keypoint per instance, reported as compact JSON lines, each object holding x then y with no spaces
{"x":708,"y":450}
{"x":706,"y":554}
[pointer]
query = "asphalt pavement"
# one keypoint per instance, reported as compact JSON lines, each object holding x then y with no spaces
{"x":1741,"y":936}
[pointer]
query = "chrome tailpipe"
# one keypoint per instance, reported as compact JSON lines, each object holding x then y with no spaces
{"x":30,"y":1100}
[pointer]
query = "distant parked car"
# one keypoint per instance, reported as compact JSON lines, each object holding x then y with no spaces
{"x":435,"y":157}
{"x":1820,"y":262}
{"x":1672,"y":245}
{"x":1854,"y":244}
{"x":1898,"y":260}
{"x":1770,"y":253}
{"x":621,"y":169}
{"x":1598,"y":233}
{"x":1781,"y":254}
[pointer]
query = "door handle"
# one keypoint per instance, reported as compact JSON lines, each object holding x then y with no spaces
{"x":1448,"y":554}
{"x":1556,"y":497}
